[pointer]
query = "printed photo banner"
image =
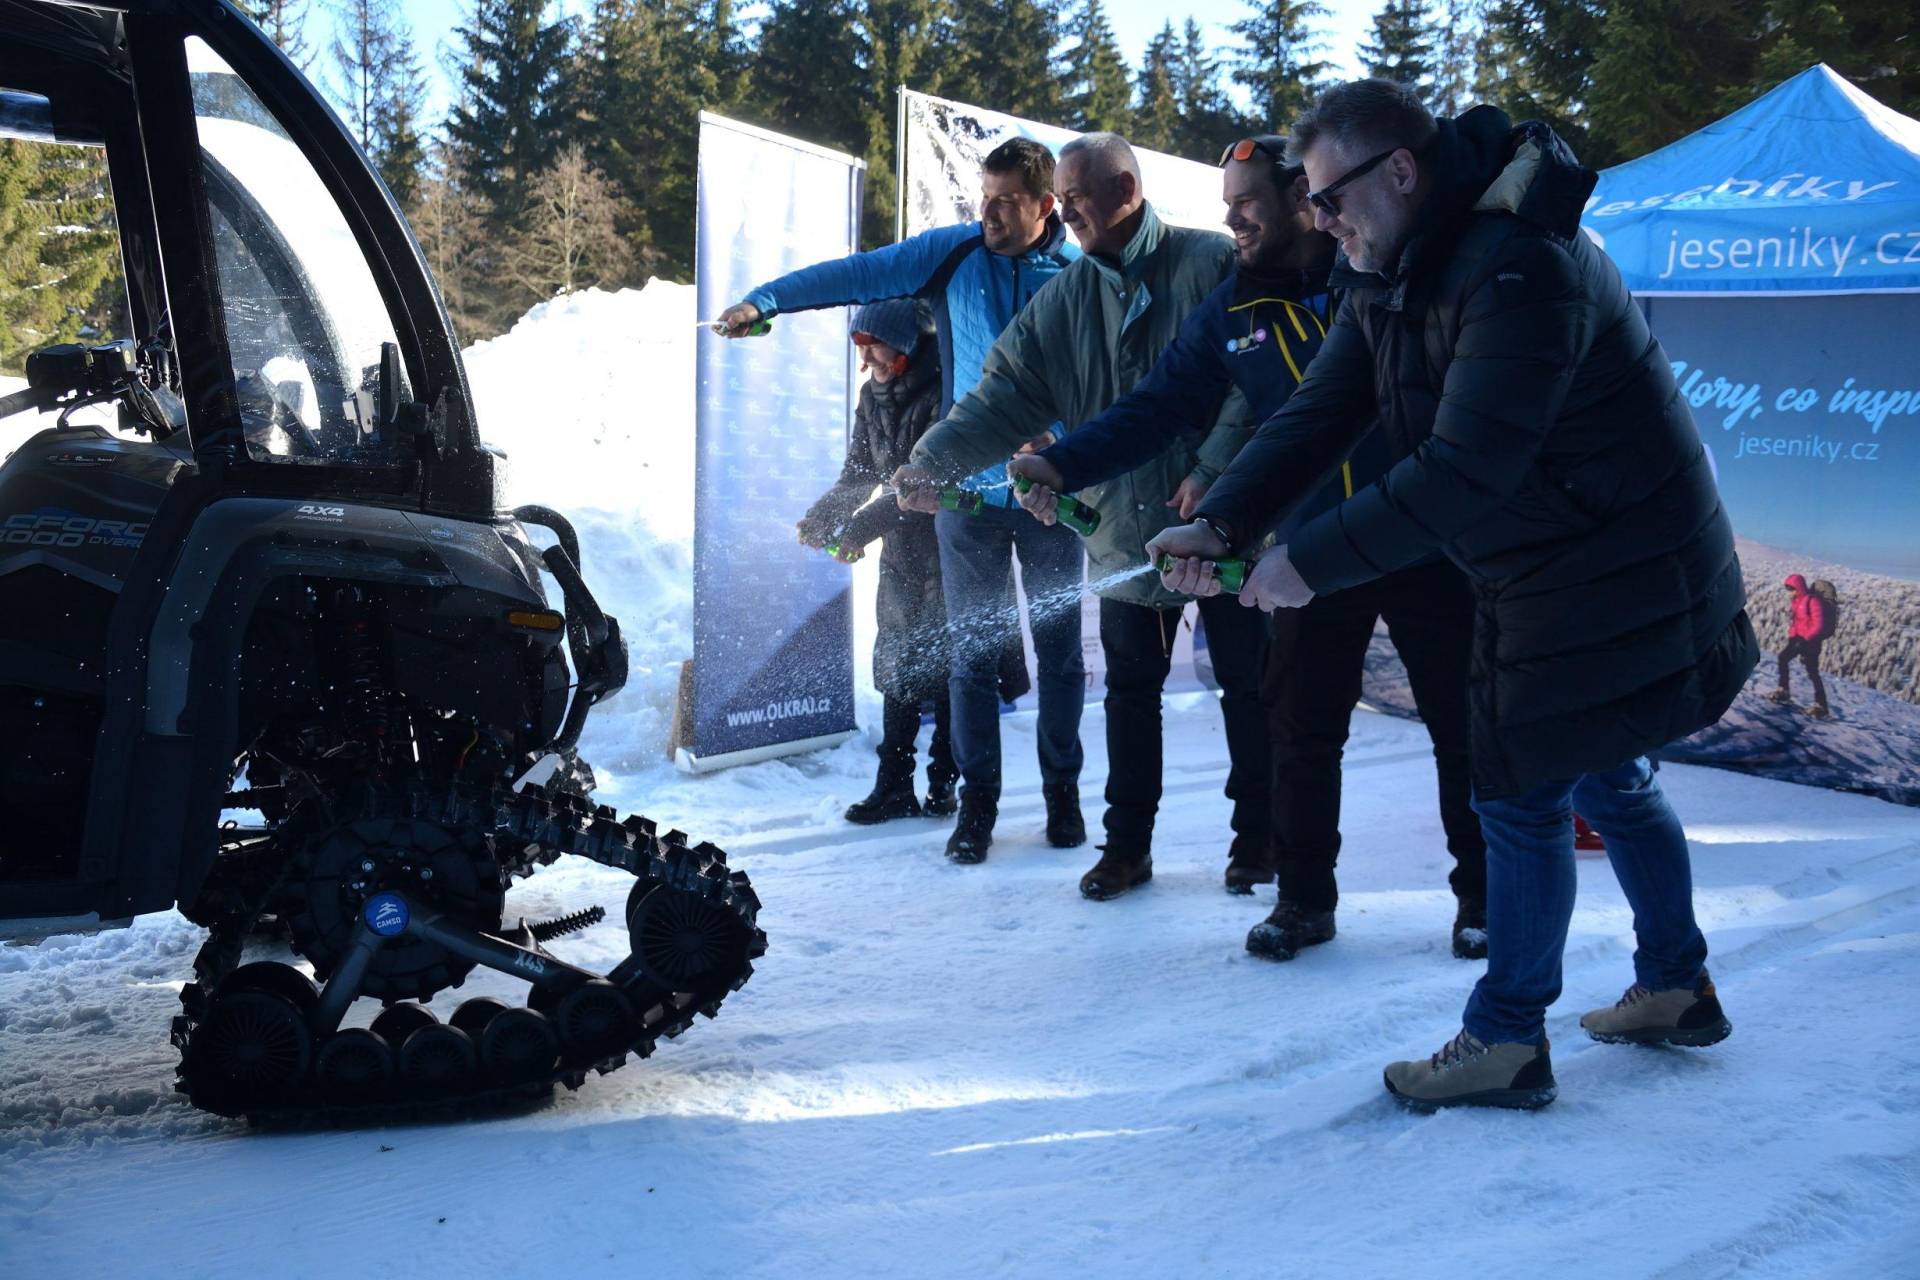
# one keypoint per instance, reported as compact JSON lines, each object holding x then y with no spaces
{"x":772,"y":621}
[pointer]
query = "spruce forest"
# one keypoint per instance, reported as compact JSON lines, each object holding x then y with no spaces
{"x":566,"y":159}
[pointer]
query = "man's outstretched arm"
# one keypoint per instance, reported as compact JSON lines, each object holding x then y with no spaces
{"x":892,"y":271}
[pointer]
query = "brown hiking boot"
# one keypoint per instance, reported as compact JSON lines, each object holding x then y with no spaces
{"x":1688,"y":1016}
{"x":1819,"y":711}
{"x":1116,"y":873}
{"x":1467,"y":1073}
{"x":1778,"y":695}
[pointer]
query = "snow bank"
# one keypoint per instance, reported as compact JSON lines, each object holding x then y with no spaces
{"x":591,"y":398}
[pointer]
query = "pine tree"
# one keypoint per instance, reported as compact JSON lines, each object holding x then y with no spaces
{"x":806,"y":76}
{"x":507,"y":123}
{"x":1658,"y":72}
{"x":1533,"y":61}
{"x":60,"y":273}
{"x":1870,"y":42}
{"x":284,"y":22}
{"x":1278,"y":63}
{"x":1156,"y":111}
{"x":1404,"y":45}
{"x":382,"y":90}
{"x":1098,"y":96}
{"x":568,"y":234}
{"x":898,"y":43}
{"x":1454,"y":69}
{"x":399,"y":146}
{"x":999,"y":55}
{"x":1209,"y":120}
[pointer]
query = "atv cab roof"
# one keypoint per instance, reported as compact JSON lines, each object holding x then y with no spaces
{"x":276,"y":298}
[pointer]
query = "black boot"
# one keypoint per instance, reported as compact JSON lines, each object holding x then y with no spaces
{"x":973,"y":832}
{"x":892,"y":796}
{"x":941,"y":797}
{"x":1470,"y":930}
{"x":1119,"y":869}
{"x":1289,"y":930}
{"x":1065,"y":828}
{"x":1249,"y":862}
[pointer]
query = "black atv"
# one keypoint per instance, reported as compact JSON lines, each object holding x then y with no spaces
{"x":269,"y":648}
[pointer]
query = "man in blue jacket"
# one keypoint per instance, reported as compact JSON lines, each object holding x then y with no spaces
{"x":1257,"y":332}
{"x":977,"y":276}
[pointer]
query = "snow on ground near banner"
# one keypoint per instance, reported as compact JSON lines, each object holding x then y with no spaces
{"x":965,"y":1071}
{"x":973,"y":1071}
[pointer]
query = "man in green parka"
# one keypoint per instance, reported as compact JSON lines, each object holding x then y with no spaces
{"x":1083,"y":341}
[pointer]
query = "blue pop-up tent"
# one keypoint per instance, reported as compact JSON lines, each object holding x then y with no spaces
{"x":1777,"y":255}
{"x":1811,"y":188}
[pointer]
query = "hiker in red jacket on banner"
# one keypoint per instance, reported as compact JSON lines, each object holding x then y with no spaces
{"x":1816,"y":612}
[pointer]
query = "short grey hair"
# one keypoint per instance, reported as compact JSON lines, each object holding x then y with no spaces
{"x":1363,"y":117}
{"x":1111,"y":154}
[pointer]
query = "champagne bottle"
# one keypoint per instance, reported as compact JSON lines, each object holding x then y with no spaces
{"x":1071,"y":512}
{"x":1232,"y":574}
{"x":965,"y":501}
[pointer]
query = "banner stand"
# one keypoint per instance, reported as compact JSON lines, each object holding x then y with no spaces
{"x":686,"y":762}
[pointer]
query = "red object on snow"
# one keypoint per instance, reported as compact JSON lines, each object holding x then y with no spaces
{"x":1585,"y":838}
{"x":1809,"y":610}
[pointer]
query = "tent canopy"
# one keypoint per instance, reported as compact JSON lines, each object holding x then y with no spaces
{"x":1813,"y":187}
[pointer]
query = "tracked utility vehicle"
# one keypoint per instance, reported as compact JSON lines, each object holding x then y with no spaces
{"x":270,"y":649}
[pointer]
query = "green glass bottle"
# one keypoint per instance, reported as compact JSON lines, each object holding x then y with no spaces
{"x":833,"y":549}
{"x":1071,"y":512}
{"x":1231,"y":573}
{"x":965,"y":501}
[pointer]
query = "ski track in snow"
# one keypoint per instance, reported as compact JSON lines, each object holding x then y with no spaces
{"x":944,"y":1070}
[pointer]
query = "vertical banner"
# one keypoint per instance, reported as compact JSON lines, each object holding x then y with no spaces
{"x":772,"y":621}
{"x":940,"y":145}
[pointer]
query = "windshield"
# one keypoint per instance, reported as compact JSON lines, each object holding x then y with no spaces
{"x":305,"y":320}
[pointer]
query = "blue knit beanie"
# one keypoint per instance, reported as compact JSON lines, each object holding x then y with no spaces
{"x":894,"y":321}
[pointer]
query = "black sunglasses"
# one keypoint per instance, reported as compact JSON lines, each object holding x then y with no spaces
{"x":1323,"y":199}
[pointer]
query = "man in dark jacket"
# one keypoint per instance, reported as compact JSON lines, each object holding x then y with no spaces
{"x":1258,"y":332}
{"x":1542,"y":444}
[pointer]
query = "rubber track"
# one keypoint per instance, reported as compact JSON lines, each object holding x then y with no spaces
{"x":531,"y":828}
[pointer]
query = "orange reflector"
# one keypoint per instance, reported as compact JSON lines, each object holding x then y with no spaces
{"x":541,"y":621}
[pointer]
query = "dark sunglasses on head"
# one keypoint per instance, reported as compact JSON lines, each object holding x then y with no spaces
{"x":1323,"y":199}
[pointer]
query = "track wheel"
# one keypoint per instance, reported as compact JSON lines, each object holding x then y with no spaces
{"x":473,"y":1015}
{"x":437,"y":1059}
{"x":686,"y":943}
{"x":396,"y":1022}
{"x":354,"y":1066}
{"x":595,"y":1020}
{"x":252,"y":1046}
{"x":274,"y":979}
{"x":519,"y":1045}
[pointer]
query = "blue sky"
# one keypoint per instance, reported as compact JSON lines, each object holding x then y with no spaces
{"x":1134,"y":21}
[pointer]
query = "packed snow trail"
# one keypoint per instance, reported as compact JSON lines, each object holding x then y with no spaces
{"x":964,"y":1071}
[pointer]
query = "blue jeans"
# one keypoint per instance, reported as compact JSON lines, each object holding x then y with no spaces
{"x":976,"y":567}
{"x":1530,"y":888}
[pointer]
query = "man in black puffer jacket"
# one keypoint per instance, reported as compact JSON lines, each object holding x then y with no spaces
{"x":1542,"y":444}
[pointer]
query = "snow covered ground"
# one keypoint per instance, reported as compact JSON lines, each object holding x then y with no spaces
{"x":973,"y":1071}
